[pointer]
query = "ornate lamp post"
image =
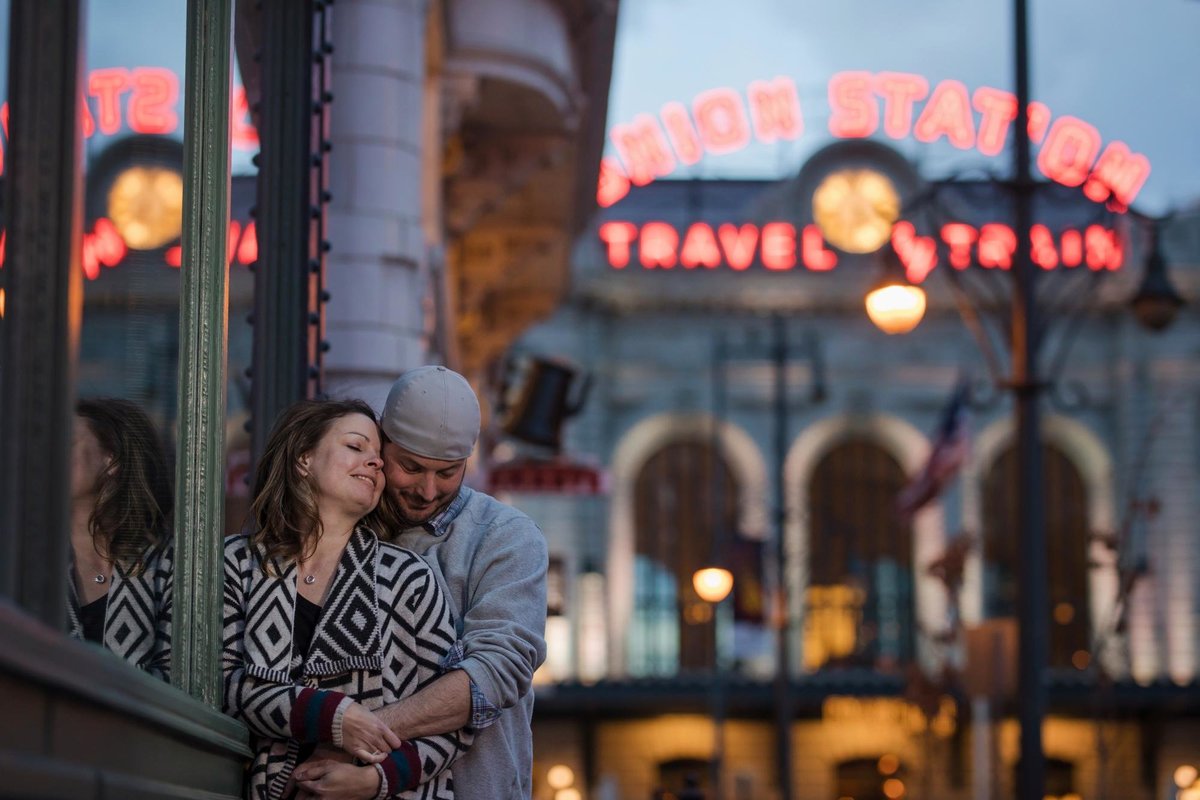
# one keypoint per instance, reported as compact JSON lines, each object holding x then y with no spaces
{"x":1154,"y":305}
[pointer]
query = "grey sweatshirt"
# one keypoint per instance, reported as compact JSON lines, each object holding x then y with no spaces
{"x":491,"y":561}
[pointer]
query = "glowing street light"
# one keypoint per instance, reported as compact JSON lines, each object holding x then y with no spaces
{"x":894,"y":304}
{"x":713,"y":584}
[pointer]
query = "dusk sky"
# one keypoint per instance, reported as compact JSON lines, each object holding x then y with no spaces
{"x":1129,"y":68}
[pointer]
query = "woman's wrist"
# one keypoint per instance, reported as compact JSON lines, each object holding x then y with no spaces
{"x":380,"y":781}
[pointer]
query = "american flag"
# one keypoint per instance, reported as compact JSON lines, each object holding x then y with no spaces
{"x":945,"y":458}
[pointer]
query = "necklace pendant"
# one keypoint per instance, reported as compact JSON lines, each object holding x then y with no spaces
{"x":99,"y":579}
{"x":310,"y":579}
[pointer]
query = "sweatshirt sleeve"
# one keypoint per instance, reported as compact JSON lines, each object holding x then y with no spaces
{"x":504,"y":622}
{"x":269,"y":708}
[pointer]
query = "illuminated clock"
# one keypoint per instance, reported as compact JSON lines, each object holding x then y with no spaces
{"x":145,"y":204}
{"x":855,"y":209}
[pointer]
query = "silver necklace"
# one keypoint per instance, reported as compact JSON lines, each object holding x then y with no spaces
{"x":102,"y":579}
{"x":310,"y":579}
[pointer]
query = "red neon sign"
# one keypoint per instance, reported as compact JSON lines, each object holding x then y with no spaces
{"x":722,"y":120}
{"x":145,"y":100}
{"x":779,"y":247}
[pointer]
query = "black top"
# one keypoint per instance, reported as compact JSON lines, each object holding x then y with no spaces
{"x":91,"y":619}
{"x":307,"y":614}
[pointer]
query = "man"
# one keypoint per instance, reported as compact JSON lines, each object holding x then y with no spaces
{"x":491,"y":560}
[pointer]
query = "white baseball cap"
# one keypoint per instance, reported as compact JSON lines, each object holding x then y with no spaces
{"x":433,"y":412}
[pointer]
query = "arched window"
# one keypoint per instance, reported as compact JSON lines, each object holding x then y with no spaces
{"x":858,"y":603}
{"x":684,"y":494}
{"x":1065,"y":504}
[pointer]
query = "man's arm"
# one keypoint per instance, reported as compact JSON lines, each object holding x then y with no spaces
{"x":441,"y":707}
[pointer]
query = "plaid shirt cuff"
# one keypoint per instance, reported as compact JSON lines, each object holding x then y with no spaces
{"x":483,"y":711}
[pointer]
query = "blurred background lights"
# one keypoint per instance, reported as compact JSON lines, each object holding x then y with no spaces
{"x":893,"y":788}
{"x":888,"y":764}
{"x":1185,"y":776}
{"x":568,"y":794}
{"x":560,"y":776}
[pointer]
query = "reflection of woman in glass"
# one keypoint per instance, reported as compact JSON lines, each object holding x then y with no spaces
{"x":121,"y":501}
{"x":323,"y":622}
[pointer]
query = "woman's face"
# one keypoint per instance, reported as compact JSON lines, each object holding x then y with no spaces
{"x":88,"y":460}
{"x":346,"y":465}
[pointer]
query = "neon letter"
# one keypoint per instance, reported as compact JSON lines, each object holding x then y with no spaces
{"x":721,"y":120}
{"x":775,"y":110}
{"x":643,"y":148}
{"x":613,"y":185}
{"x":919,"y":253}
{"x":899,"y":91}
{"x":997,"y":243}
{"x":247,"y":252}
{"x":948,"y":113}
{"x":1041,"y":244}
{"x":779,"y":245}
{"x":1072,"y":248}
{"x":700,"y":247}
{"x":681,"y":133}
{"x":1118,"y":172}
{"x":1103,"y":248}
{"x":617,"y":236}
{"x":738,"y":244}
{"x":998,"y":109}
{"x":813,"y":251}
{"x":155,"y":91}
{"x":854,"y":113}
{"x":106,"y":86}
{"x":1039,"y":120}
{"x":959,"y":236}
{"x":241,"y":126}
{"x":1069,"y":151}
{"x":657,"y":245}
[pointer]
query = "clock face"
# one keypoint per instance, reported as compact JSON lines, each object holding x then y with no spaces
{"x":855,"y":209}
{"x":145,"y":205}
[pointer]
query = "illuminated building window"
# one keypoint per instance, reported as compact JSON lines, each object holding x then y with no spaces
{"x":684,"y":494}
{"x":866,"y":779}
{"x":859,"y":601}
{"x":1066,"y":545}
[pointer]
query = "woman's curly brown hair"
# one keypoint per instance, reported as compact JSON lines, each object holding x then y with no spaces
{"x":134,"y":496}
{"x":287,"y":522}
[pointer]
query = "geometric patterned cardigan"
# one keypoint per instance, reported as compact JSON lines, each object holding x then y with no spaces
{"x":137,"y":616}
{"x":384,"y":632}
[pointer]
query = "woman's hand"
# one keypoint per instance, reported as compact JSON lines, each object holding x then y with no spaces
{"x":332,"y":780}
{"x":365,"y":736}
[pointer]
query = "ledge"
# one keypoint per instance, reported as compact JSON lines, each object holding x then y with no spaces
{"x":42,"y":656}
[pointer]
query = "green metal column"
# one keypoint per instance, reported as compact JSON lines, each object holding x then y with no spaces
{"x":43,"y":303}
{"x":203,"y":341}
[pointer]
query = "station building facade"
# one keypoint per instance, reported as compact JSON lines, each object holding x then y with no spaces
{"x":743,"y":410}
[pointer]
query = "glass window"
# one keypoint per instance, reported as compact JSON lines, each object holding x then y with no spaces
{"x":685,"y":496}
{"x":1066,"y":544}
{"x":859,"y":601}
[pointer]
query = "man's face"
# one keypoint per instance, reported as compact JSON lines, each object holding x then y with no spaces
{"x":420,"y":486}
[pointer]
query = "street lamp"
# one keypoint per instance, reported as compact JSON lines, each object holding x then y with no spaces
{"x":1155,"y":305}
{"x":894,"y":304}
{"x":1156,"y":302}
{"x":713,"y":584}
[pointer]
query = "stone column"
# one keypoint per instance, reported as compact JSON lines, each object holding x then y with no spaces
{"x":375,"y":272}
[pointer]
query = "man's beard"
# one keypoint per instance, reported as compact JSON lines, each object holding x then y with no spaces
{"x":407,"y":522}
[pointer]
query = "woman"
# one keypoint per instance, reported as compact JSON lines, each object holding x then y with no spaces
{"x":121,"y":501}
{"x":323,"y":622}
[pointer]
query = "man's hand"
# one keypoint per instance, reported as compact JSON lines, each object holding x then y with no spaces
{"x":331,"y":780}
{"x":365,"y":736}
